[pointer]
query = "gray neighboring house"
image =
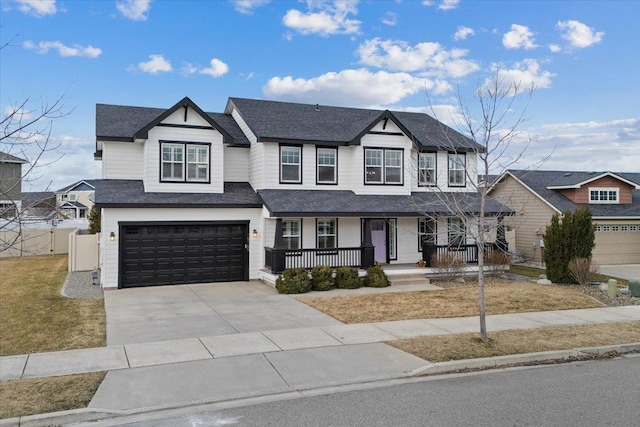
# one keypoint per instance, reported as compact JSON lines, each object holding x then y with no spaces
{"x":39,"y":204}
{"x":10,"y":185}
{"x":193,"y":197}
{"x":613,"y":197}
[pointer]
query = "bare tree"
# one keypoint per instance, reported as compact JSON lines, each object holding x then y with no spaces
{"x":491,"y":121}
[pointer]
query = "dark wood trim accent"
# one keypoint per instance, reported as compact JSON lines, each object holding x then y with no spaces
{"x":280,"y":164}
{"x":317,"y":166}
{"x":184,"y":180}
{"x":377,"y":132}
{"x":114,"y":139}
{"x":172,"y":125}
{"x":288,"y":141}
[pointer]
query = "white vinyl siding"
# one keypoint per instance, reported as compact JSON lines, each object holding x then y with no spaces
{"x":236,"y":161}
{"x":122,"y":160}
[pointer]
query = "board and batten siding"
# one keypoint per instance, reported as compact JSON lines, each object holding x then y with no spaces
{"x":183,"y":134}
{"x":112,"y":216}
{"x":236,"y":164}
{"x":531,"y":218}
{"x":122,"y":160}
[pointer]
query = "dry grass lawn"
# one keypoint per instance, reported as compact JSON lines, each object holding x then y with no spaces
{"x":35,"y":317}
{"x":501,"y":297}
{"x":469,"y":346}
{"x":41,"y":395}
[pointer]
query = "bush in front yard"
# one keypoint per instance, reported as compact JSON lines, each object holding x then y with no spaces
{"x":321,"y":278}
{"x":376,"y":278}
{"x":347,"y":278}
{"x":293,"y":281}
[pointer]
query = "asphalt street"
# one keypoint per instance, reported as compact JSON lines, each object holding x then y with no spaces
{"x":601,"y":393}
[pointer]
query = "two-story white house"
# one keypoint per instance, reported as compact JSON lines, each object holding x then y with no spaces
{"x":192,"y":197}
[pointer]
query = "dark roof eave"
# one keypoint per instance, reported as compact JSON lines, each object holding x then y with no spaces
{"x":305,"y":141}
{"x":179,"y":205}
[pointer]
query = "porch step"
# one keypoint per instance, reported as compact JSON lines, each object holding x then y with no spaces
{"x":408,"y":279}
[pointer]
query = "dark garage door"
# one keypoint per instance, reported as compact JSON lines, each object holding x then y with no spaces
{"x":176,"y":253}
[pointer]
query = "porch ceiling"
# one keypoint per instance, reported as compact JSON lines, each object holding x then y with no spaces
{"x":345,"y":203}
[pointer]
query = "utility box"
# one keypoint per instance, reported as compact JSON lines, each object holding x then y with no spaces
{"x":634,"y":287}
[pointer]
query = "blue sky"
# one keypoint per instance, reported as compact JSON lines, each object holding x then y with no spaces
{"x":584,"y":58}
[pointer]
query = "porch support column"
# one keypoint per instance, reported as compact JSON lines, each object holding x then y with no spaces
{"x":279,"y":249}
{"x":367,"y":255}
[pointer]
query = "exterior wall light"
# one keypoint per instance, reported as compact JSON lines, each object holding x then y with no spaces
{"x":112,"y":236}
{"x":255,"y":233}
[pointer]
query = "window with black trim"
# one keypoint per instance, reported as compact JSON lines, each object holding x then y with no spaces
{"x":457,"y":233}
{"x":426,"y":168}
{"x":291,"y":233}
{"x":427,"y":232}
{"x":290,"y":164}
{"x":176,"y":167}
{"x":457,"y":164}
{"x":326,"y":233}
{"x":383,"y":166}
{"x":327,"y":165}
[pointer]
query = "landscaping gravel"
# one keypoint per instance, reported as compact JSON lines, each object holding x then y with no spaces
{"x":79,"y":285}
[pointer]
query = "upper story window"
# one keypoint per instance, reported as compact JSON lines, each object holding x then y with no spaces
{"x":604,"y":195}
{"x":426,"y":168}
{"x":457,"y":164}
{"x":327,"y":233}
{"x":383,"y":166}
{"x":327,"y":172}
{"x":291,"y":233}
{"x":290,"y":164}
{"x":178,"y":166}
{"x":73,"y":197}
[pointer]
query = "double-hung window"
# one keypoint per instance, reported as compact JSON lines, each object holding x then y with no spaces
{"x":383,"y":166}
{"x":457,"y":233}
{"x":178,"y":167}
{"x":327,"y":172}
{"x":427,"y":232}
{"x":426,"y":168}
{"x":327,"y":233}
{"x":457,"y":170}
{"x":291,"y":233}
{"x":290,"y":164}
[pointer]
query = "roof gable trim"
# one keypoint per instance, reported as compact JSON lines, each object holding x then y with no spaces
{"x":602,"y":175}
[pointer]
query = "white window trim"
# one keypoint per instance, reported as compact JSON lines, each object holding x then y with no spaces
{"x":197,"y":163}
{"x":334,"y":166}
{"x":450,"y":169}
{"x":299,"y":164}
{"x":604,"y":202}
{"x":433,"y":156}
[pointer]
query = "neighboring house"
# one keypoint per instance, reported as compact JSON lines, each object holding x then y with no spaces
{"x":189,"y":196}
{"x":39,"y":204}
{"x":76,"y":200}
{"x":614,"y":200}
{"x":10,"y":185}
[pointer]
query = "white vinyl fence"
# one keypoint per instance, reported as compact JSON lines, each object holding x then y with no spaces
{"x":39,"y":241}
{"x":84,"y":250}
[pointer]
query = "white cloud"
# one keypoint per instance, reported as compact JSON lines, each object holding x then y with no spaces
{"x":390,"y":19}
{"x":330,"y":18}
{"x":554,"y":48}
{"x":520,"y":37}
{"x":156,"y":64}
{"x":355,"y":88}
{"x":63,"y":50}
{"x":578,"y":34}
{"x":18,"y":114}
{"x":217,"y":68}
{"x":37,"y":8}
{"x":525,"y":74}
{"x":136,"y":10}
{"x":246,"y":7}
{"x":429,"y":57}
{"x":443,"y":5}
{"x":463,"y":32}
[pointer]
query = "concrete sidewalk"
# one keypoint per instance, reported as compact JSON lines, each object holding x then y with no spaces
{"x":143,"y":355}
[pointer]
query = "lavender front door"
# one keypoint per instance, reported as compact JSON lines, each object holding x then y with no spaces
{"x":379,"y":239}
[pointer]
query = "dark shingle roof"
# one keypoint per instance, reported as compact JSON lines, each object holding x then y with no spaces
{"x":116,"y":193}
{"x":8,"y":158}
{"x":44,"y":198}
{"x":539,"y":180}
{"x":287,"y":203}
{"x":273,"y":120}
{"x":121,"y":122}
{"x":91,"y":182}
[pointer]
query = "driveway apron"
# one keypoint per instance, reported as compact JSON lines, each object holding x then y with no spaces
{"x":162,"y":313}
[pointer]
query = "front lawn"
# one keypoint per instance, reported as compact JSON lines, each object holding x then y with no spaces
{"x":441,"y":348}
{"x":462,"y":301}
{"x":35,"y":317}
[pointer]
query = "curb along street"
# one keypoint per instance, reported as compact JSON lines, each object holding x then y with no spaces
{"x":86,"y":415}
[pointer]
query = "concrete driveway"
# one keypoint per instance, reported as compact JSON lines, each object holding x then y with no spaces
{"x":163,"y":313}
{"x":624,"y":271}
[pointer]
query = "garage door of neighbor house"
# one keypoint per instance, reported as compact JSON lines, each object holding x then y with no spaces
{"x":173,"y":253}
